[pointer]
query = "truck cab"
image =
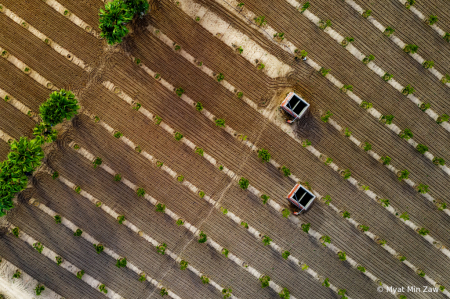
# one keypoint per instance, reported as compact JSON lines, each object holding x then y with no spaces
{"x":301,"y":197}
{"x":295,"y":106}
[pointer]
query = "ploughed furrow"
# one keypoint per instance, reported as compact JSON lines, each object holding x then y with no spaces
{"x":208,"y":49}
{"x":58,"y":28}
{"x":14,"y":123}
{"x":388,"y":55}
{"x":4,"y":150}
{"x":365,"y":81}
{"x":410,"y":29}
{"x":40,"y":267}
{"x":87,"y":10}
{"x":21,"y":286}
{"x":432,"y":7}
{"x":20,"y":43}
{"x":79,"y":252}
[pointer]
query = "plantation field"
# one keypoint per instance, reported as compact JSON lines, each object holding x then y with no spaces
{"x":170,"y":178}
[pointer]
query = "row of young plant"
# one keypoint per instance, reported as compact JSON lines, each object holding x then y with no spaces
{"x":368,"y":60}
{"x":403,"y":175}
{"x":26,"y":154}
{"x":431,"y":20}
{"x":60,"y":261}
{"x":113,"y":20}
{"x":161,"y":207}
{"x":121,"y":262}
{"x":408,"y":48}
{"x":344,"y":172}
{"x":15,"y":283}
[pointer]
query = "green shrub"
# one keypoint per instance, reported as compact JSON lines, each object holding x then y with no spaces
{"x":432,"y":19}
{"x":260,"y":66}
{"x":225,"y":252}
{"x":117,"y":177}
{"x":366,"y":13}
{"x":408,"y":90}
{"x":244,"y":224}
{"x":368,"y":59}
{"x":140,"y":192}
{"x":57,"y":219}
{"x":346,"y":214}
{"x":279,"y":35}
{"x":120,"y":219}
{"x":203,"y":237}
{"x":304,"y":7}
{"x":142,"y":277}
{"x":325,"y":239}
{"x":305,"y":227}
{"x":55,"y":175}
{"x":39,"y":289}
{"x":347,"y":174}
{"x":161,"y":248}
{"x":422,"y":188}
{"x":361,"y":268}
{"x":137,"y":7}
{"x":385,"y":202}
{"x":327,"y":116}
{"x":226,"y":293}
{"x":201,"y":194}
{"x":244,"y":183}
{"x":45,"y":132}
{"x":220,"y":122}
{"x":285,"y":171}
{"x":403,"y":175}
{"x":260,"y":21}
{"x":38,"y":246}
{"x":17,"y":274}
{"x":423,"y":231}
{"x":179,"y":91}
{"x":205,"y":279}
{"x":411,"y":48}
{"x":388,"y":31}
{"x":266,"y":240}
{"x":265,"y":198}
{"x":406,"y":134}
{"x":284,"y":294}
{"x":438,"y":161}
{"x":117,"y":134}
{"x":220,"y":77}
{"x":180,"y":178}
{"x":264,"y":281}
{"x":183,"y":265}
{"x":422,"y":148}
{"x":264,"y":155}
{"x":364,"y":228}
{"x":161,"y":208}
{"x":326,"y":283}
{"x":446,"y":37}
{"x":158,"y":120}
{"x":428,"y":64}
{"x":347,"y":132}
{"x":113,"y":20}
{"x":324,"y":71}
{"x":78,"y":232}
{"x":285,"y":254}
{"x":198,"y":106}
{"x":386,"y":160}
{"x":99,"y":248}
{"x":367,"y":146}
{"x":366,"y":105}
{"x":80,"y":274}
{"x":342,"y":255}
{"x":103,"y":289}
{"x":345,"y":88}
{"x":97,"y":162}
{"x":178,"y":136}
{"x":424,"y":106}
{"x":240,"y":94}
{"x":286,"y":213}
{"x":324,"y":24}
{"x":180,"y":222}
{"x":223,"y":210}
{"x":121,"y":263}
{"x":404,"y":216}
{"x":387,"y":119}
{"x":306,"y":143}
{"x":444,"y":117}
{"x":387,"y":77}
{"x":420,"y":273}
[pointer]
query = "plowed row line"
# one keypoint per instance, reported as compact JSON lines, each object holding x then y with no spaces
{"x":285,"y":128}
{"x":23,"y":287}
{"x":51,"y":255}
{"x":290,"y":48}
{"x":395,"y":39}
{"x":67,"y":223}
{"x":194,"y":230}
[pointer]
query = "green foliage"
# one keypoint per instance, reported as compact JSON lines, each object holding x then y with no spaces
{"x":327,"y":199}
{"x":203,"y":237}
{"x":117,"y":177}
{"x":404,"y":216}
{"x":57,"y":218}
{"x":241,"y":4}
{"x":244,"y":183}
{"x":137,"y":7}
{"x":402,"y":258}
{"x":180,"y":178}
{"x":432,"y":19}
{"x":159,"y":163}
{"x":285,"y":171}
{"x":424,"y":106}
{"x":183,"y":265}
{"x":178,"y":136}
{"x":446,"y":37}
{"x":244,"y":224}
{"x":406,"y":134}
{"x":306,"y":143}
{"x":220,"y":122}
{"x":163,"y":292}
{"x":329,"y":161}
{"x":387,"y":119}
{"x":121,"y":263}
{"x":347,"y":132}
{"x":442,"y":206}
{"x":386,"y":160}
{"x":240,"y":94}
{"x":17,"y":274}
{"x":387,"y":76}
{"x":225,"y":252}
{"x":161,"y":208}
{"x":161,"y":248}
{"x":279,"y":35}
{"x":16,"y":231}
{"x":120,"y":219}
{"x":264,"y":155}
{"x":367,"y":146}
{"x":38,"y":246}
{"x":324,"y":71}
{"x":223,"y":210}
{"x":420,"y":273}
{"x":441,"y":288}
{"x":264,"y":281}
{"x":361,"y":268}
{"x":260,"y":66}
{"x":366,"y":105}
{"x":444,"y":117}
{"x":198,"y":106}
{"x":428,"y":64}
{"x":347,"y":174}
{"x":324,"y":24}
{"x":423,"y":231}
{"x":39,"y":289}
{"x":61,"y":105}
{"x":422,"y":148}
{"x":266,"y":240}
{"x":347,"y":40}
{"x":438,"y":161}
{"x":285,"y":294}
{"x":408,"y":90}
{"x":286,"y":213}
{"x":304,"y":7}
{"x":140,"y":192}
{"x":305,"y":227}
{"x":304,"y":267}
{"x":260,"y":21}
{"x":327,"y":116}
{"x":346,"y":214}
{"x":45,"y":132}
{"x":97,"y":162}
{"x":265,"y":198}
{"x":326,"y":283}
{"x":403,"y":175}
{"x":220,"y":77}
{"x":180,"y":222}
{"x":201,"y":194}
{"x":325,"y":239}
{"x":158,"y":120}
{"x":347,"y":87}
{"x":422,"y":188}
{"x":117,"y":134}
{"x":99,"y":248}
{"x":364,"y":228}
{"x":366,"y":13}
{"x":226,"y":293}
{"x":80,"y":274}
{"x":113,"y":20}
{"x":342,"y":255}
{"x":55,"y":175}
{"x":205,"y":279}
{"x":368,"y":59}
{"x":179,"y":91}
{"x":385,"y":202}
{"x":411,"y":48}
{"x":103,"y":289}
{"x":78,"y":232}
{"x":240,"y":50}
{"x":137,"y":106}
{"x":389,"y":31}
{"x":142,"y":277}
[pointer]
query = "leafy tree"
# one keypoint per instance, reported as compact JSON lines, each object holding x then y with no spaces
{"x":244,"y":183}
{"x":103,"y":289}
{"x":327,"y":116}
{"x":420,"y":273}
{"x":121,"y":263}
{"x":38,"y":246}
{"x":304,"y":267}
{"x":327,"y":199}
{"x":404,"y":216}
{"x":367,"y":146}
{"x":422,"y":148}
{"x":285,"y":294}
{"x":324,"y":71}
{"x":325,"y":239}
{"x":225,"y":252}
{"x":346,"y":174}
{"x":261,"y":66}
{"x":364,"y":228}
{"x":55,"y":175}
{"x":180,"y":178}
{"x":446,"y":37}
{"x":347,"y":132}
{"x":178,"y":136}
{"x":264,"y":155}
{"x":266,"y":240}
{"x":97,"y":162}
{"x":387,"y":119}
{"x":45,"y":132}
{"x":183,"y":264}
{"x":120,"y":219}
{"x":366,"y":105}
{"x":240,"y":94}
{"x":161,"y":248}
{"x":411,"y":48}
{"x":142,"y":277}
{"x":403,"y":175}
{"x":428,"y":64}
{"x":113,"y":20}
{"x":117,"y":134}
{"x":180,"y":222}
{"x":347,"y":40}
{"x":361,"y":268}
{"x":223,"y":210}
{"x":305,"y":227}
{"x":240,"y":50}
{"x":306,"y":143}
{"x":61,"y":105}
{"x":241,"y":4}
{"x":226,"y":293}
{"x":329,"y":161}
{"x":285,"y":254}
{"x":264,"y":281}
{"x":137,"y":7}
{"x":279,"y":35}
{"x":387,"y":76}
{"x":201,"y":194}
{"x":385,"y":202}
{"x":117,"y":177}
{"x":406,"y":134}
{"x":424,"y":106}
{"x":203,"y":237}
